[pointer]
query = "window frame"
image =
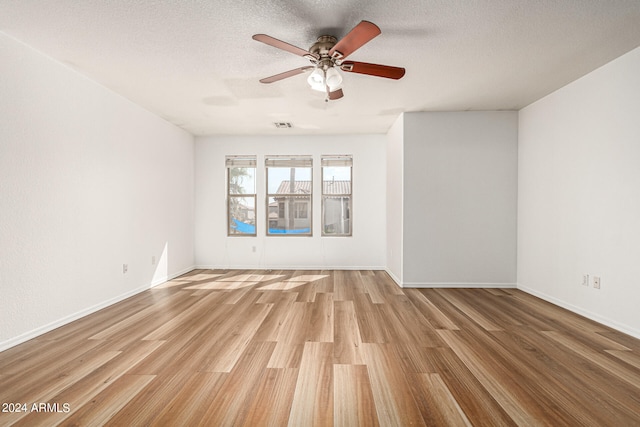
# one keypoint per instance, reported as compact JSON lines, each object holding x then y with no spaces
{"x":293,"y":161}
{"x":250,"y":162}
{"x":341,"y":160}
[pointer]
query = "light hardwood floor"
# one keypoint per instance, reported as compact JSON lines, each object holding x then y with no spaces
{"x":342,"y":348}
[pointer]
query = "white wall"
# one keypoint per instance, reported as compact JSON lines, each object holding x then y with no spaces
{"x":460,"y":199}
{"x":395,"y":157}
{"x":364,"y":250}
{"x":88,"y":181}
{"x":579,"y":195}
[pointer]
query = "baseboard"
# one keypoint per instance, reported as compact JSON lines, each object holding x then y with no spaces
{"x":458,"y":285}
{"x":287,"y":267}
{"x":67,"y":319}
{"x":589,"y":315}
{"x":12,"y":342}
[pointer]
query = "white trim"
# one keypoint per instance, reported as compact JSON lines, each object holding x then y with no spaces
{"x":287,"y":267}
{"x":12,"y":342}
{"x":593,"y":316}
{"x":67,"y":319}
{"x":458,"y":285}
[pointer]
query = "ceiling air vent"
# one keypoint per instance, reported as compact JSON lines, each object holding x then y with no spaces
{"x":283,"y":125}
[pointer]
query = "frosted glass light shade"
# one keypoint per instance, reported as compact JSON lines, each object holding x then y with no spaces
{"x":334,"y":79}
{"x":316,"y":79}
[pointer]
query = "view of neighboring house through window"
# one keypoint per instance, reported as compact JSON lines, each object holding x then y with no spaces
{"x":336,"y":195}
{"x":241,"y":195}
{"x":289,"y":192}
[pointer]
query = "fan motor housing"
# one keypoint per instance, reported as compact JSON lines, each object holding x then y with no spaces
{"x":323,"y":45}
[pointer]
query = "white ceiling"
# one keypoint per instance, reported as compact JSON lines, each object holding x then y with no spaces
{"x":194,"y":62}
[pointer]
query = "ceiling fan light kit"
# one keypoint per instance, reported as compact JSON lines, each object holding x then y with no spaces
{"x":327,"y":55}
{"x":333,"y":78}
{"x":316,"y":79}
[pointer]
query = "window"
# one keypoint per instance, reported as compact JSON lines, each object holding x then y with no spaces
{"x":241,"y":195}
{"x":336,"y":195}
{"x":302,"y":210}
{"x":289,"y":192}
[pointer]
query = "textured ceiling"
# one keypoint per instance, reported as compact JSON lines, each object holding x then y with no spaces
{"x":194,"y":62}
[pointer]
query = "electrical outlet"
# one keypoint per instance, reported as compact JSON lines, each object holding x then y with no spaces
{"x":125,"y":268}
{"x":596,"y":282}
{"x":153,"y":260}
{"x":585,"y":280}
{"x":253,"y":248}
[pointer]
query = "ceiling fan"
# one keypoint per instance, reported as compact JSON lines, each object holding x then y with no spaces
{"x":327,"y":55}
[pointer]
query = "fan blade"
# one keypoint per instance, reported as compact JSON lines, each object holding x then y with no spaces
{"x":357,"y":37}
{"x":373,"y":69}
{"x":336,"y":94}
{"x":286,"y":74}
{"x":283,"y":45}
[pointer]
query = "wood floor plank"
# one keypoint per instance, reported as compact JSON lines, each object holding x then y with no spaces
{"x":88,"y":387}
{"x":272,"y":404}
{"x":180,"y":317}
{"x":353,"y":398}
{"x":313,"y":398}
{"x":347,"y":341}
{"x":138,"y":318}
{"x":628,"y":356}
{"x":191,"y":402}
{"x":320,"y":326}
{"x":511,"y":403}
{"x":83,"y":327}
{"x":290,"y":339}
{"x":316,"y":347}
{"x":231,"y":404}
{"x":307,"y":290}
{"x":437,"y":404}
{"x":399,"y":313}
{"x":494,"y":309}
{"x":508,"y":305}
{"x":413,"y":358}
{"x":430,"y":311}
{"x":186,"y":346}
{"x":343,"y":285}
{"x":554,"y":382}
{"x":474,"y":399}
{"x":562,"y":319}
{"x":143,"y":407}
{"x":271,"y":326}
{"x":373,"y":290}
{"x":236,"y":339}
{"x":622,"y":338}
{"x":456,"y":297}
{"x":383,"y":280}
{"x":104,"y":407}
{"x":373,"y":329}
{"x":46,"y":389}
{"x":179,"y":303}
{"x":501,"y":365}
{"x":321,"y":280}
{"x":224,"y":340}
{"x":219,"y":285}
{"x":350,"y":284}
{"x":32,"y":372}
{"x":606,"y":363}
{"x":395,"y":404}
{"x":504,"y":360}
